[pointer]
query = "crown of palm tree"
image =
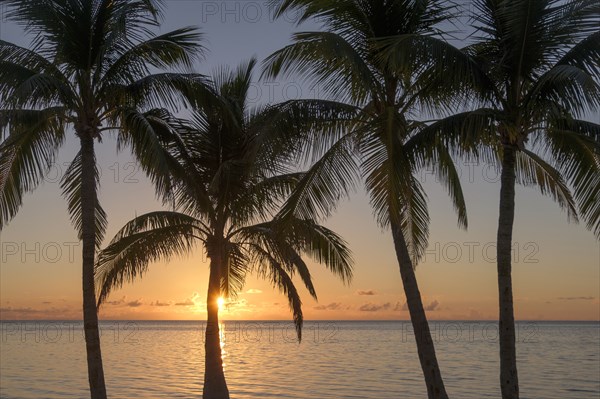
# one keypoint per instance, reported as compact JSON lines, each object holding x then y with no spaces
{"x":534,"y":71}
{"x":91,"y":66}
{"x":375,"y":132}
{"x":231,"y":177}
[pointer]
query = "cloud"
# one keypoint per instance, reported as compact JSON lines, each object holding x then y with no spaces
{"x":433,"y":306}
{"x":187,"y":302}
{"x":10,"y":309}
{"x":577,"y":298}
{"x":239,"y":305}
{"x":158,"y":303}
{"x":118,"y":302}
{"x":135,"y":304}
{"x":124,"y":302}
{"x":372,"y":307}
{"x":253,"y":291}
{"x":366,"y":292}
{"x":46,"y":302}
{"x":191,"y":301}
{"x":331,"y":306}
{"x":28,"y":313}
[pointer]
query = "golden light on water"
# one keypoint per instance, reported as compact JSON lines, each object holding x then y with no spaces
{"x":221,"y":304}
{"x":222,"y":340}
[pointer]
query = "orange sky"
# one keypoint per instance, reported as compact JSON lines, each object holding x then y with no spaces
{"x":556,"y":267}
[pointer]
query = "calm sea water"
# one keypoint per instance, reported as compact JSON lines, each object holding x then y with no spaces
{"x":362,"y":360}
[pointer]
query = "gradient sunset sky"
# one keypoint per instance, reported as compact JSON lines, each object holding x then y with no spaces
{"x":556,"y":268}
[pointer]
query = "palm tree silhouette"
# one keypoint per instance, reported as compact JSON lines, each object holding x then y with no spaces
{"x":371,"y":130}
{"x":231,"y":175}
{"x":88,"y":68}
{"x":542,"y":57}
{"x":534,"y":69}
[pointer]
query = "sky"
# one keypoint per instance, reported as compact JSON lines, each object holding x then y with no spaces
{"x":556,"y":264}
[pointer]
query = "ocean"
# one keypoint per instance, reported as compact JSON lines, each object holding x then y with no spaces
{"x":336,"y":359}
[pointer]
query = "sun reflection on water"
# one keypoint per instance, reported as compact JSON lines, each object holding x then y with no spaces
{"x":222,"y":342}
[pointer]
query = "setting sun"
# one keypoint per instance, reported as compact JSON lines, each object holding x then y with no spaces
{"x":221,"y":303}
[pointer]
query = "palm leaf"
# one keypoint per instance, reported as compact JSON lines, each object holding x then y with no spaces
{"x":178,"y":48}
{"x":328,"y":180}
{"x":26,"y":154}
{"x":326,"y":60}
{"x":575,"y":148}
{"x":236,"y":267}
{"x":269,"y":267}
{"x":585,"y":55}
{"x":71,"y":184}
{"x":145,"y":239}
{"x":321,"y":244}
{"x":534,"y":171}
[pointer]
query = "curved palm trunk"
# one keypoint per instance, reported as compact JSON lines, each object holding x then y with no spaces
{"x":509,"y":381}
{"x":215,"y":386}
{"x":425,"y":347}
{"x":89,"y":197}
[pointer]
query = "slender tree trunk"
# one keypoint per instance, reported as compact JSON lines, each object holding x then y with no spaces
{"x":89,"y":198}
{"x":425,"y":347}
{"x":215,"y":386}
{"x":509,"y":381}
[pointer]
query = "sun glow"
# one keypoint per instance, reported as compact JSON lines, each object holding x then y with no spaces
{"x":221,"y":303}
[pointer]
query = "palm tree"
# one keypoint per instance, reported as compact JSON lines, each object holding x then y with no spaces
{"x":232,"y":174}
{"x":88,"y":68}
{"x":542,"y":56}
{"x":377,"y":134}
{"x":535,"y":67}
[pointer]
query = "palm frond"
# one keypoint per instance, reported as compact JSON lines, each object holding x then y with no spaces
{"x":71,"y":184}
{"x":326,"y":182}
{"x":171,"y":90}
{"x":534,"y":171}
{"x":415,"y":221}
{"x":326,"y":60}
{"x":574,"y":146}
{"x":41,"y":18}
{"x":445,"y":168}
{"x":585,"y":55}
{"x":148,"y":135}
{"x":465,"y":134}
{"x":269,"y":267}
{"x":145,"y":239}
{"x":270,"y":239}
{"x":27,"y":58}
{"x":236,"y":268}
{"x":442,"y":70}
{"x":321,"y":244}
{"x":233,"y":86}
{"x":262,"y":198}
{"x":26,"y":88}
{"x":26,"y":154}
{"x":172,"y":50}
{"x":571,"y":87}
{"x":300,"y":131}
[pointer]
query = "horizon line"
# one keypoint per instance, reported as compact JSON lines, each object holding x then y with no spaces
{"x":307,"y":320}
